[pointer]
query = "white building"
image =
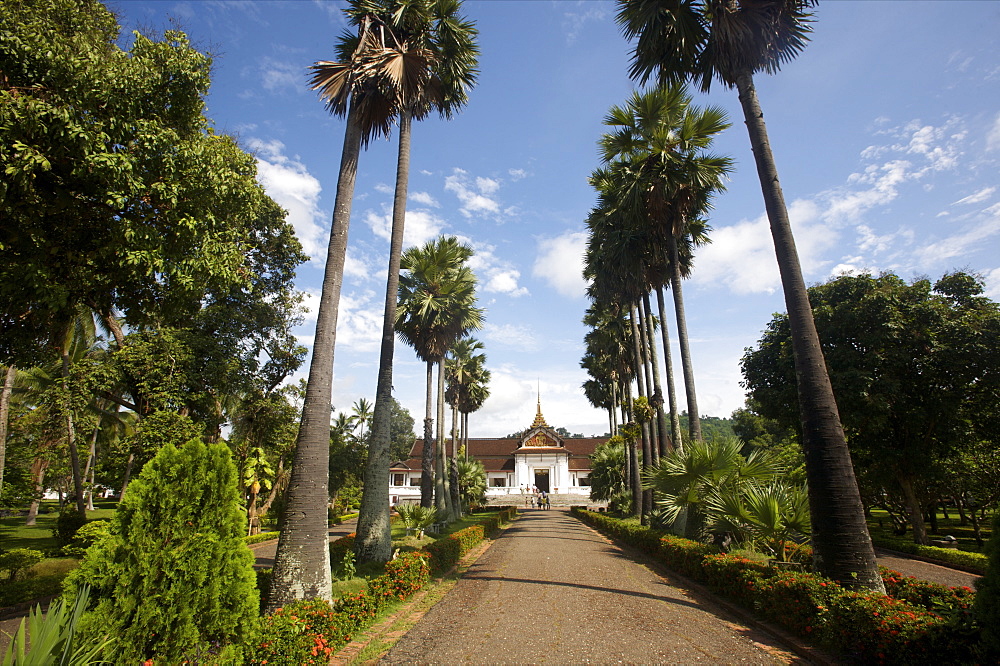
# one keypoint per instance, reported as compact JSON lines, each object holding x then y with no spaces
{"x":540,"y":458}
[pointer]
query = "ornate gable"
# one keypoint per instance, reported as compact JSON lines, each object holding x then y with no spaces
{"x":540,"y":435}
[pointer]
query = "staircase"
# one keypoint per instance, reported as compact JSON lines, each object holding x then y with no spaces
{"x":561,"y":501}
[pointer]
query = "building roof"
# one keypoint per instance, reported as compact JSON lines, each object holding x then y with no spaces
{"x":497,"y":454}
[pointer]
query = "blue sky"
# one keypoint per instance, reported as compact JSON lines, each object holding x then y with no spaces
{"x":886,"y":131}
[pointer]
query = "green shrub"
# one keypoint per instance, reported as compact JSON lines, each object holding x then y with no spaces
{"x":974,"y":561}
{"x":299,"y":633}
{"x":260,"y":537}
{"x":338,"y":547}
{"x":30,"y":589}
{"x":684,"y":555}
{"x":17,"y":563}
{"x":67,"y":524}
{"x":85,"y":537}
{"x":987,"y":605}
{"x":173,"y":575}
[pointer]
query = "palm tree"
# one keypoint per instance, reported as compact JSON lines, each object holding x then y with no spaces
{"x":466,"y":375}
{"x":436,"y":308}
{"x":669,"y":180}
{"x":427,"y":61}
{"x":361,"y":416}
{"x":732,"y":40}
{"x":8,"y":385}
{"x":348,"y":86}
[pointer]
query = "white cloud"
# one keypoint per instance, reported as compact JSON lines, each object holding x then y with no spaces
{"x":474,"y":195}
{"x":278,"y":75}
{"x":419,"y":226}
{"x":978,"y":197}
{"x":383,"y":188}
{"x":511,"y":335}
{"x":288,"y":181}
{"x":992,"y":279}
{"x":968,"y":239}
{"x":560,"y":263}
{"x":517,"y":174}
{"x":423,"y":198}
{"x":574,"y":22}
{"x":993,"y":135}
{"x":495,"y":275}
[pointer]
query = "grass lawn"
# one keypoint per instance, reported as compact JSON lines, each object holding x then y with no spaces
{"x":880,"y":525}
{"x":14,"y":533}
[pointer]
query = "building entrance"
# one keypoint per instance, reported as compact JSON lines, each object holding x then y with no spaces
{"x":542,"y":480}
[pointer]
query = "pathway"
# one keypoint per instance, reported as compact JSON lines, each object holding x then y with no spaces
{"x":264,"y":551}
{"x":552,"y":590}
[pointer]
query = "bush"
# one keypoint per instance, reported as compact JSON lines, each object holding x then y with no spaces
{"x":173,"y":576}
{"x":30,"y":589}
{"x":67,"y":524}
{"x":17,"y":563}
{"x":974,"y":561}
{"x":987,"y":605}
{"x":260,"y":537}
{"x":927,"y":622}
{"x":85,"y":537}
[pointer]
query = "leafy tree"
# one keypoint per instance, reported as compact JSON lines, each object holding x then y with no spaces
{"x":401,"y":433}
{"x":174,"y":574}
{"x":769,"y":514}
{"x":732,"y":40}
{"x":117,"y":193}
{"x":914,"y":366}
{"x":471,"y":481}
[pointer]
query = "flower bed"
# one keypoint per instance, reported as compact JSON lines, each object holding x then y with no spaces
{"x":307,"y":632}
{"x":919,"y":622}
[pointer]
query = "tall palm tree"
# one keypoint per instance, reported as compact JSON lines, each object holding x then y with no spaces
{"x":436,"y":308}
{"x":361,"y":415}
{"x":670,"y":179}
{"x":428,"y":62}
{"x":350,"y":87}
{"x":731,"y":40}
{"x":466,"y":375}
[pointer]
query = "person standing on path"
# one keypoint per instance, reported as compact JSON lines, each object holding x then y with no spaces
{"x":590,"y":603}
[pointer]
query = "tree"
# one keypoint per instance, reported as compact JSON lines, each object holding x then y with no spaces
{"x":429,"y":59}
{"x":664,"y":177}
{"x":117,"y":193}
{"x":401,"y":433}
{"x":913,"y":365}
{"x":607,"y":473}
{"x":361,"y":415}
{"x":987,"y":604}
{"x":348,"y":86}
{"x":732,"y":40}
{"x":181,"y":547}
{"x":436,"y":308}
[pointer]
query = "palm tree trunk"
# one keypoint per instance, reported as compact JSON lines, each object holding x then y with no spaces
{"x":694,"y":420}
{"x":374,"y":534}
{"x":427,"y":457}
{"x":456,"y":500}
{"x":842,"y":545}
{"x":302,"y":561}
{"x":639,"y":509}
{"x":657,"y":399}
{"x":88,"y":471}
{"x":668,"y":363}
{"x":8,"y":387}
{"x":74,"y":455}
{"x":38,"y":467}
{"x":442,"y":494}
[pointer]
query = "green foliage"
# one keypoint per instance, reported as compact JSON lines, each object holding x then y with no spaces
{"x":416,"y":516}
{"x":973,"y":561}
{"x":85,"y":537}
{"x":116,"y":191}
{"x":54,"y":638}
{"x":987,"y":607}
{"x":471,"y":481}
{"x":607,"y":473}
{"x":67,"y":524}
{"x":176,"y":538}
{"x":307,"y":632}
{"x":925,"y":622}
{"x":17,"y":563}
{"x":344,"y":568}
{"x":30,"y":589}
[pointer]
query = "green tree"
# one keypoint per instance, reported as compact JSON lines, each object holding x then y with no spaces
{"x":914,"y":366}
{"x":428,"y":59}
{"x":731,"y":40}
{"x":987,"y":604}
{"x":436,"y":308}
{"x":471,"y":481}
{"x":174,"y":574}
{"x":401,"y":433}
{"x":117,"y":194}
{"x":607,"y":473}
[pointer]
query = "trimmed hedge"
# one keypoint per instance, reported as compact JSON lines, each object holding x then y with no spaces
{"x":974,"y":561}
{"x":920,"y":622}
{"x":308,"y":632}
{"x":260,"y":537}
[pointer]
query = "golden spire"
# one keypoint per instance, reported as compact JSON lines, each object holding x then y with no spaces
{"x":539,"y":419}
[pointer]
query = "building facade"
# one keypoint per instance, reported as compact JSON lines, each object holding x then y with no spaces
{"x":539,"y":459}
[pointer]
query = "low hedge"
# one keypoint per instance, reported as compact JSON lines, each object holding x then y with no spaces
{"x":308,"y":632}
{"x":920,"y":621}
{"x":973,"y":561}
{"x":261,"y":536}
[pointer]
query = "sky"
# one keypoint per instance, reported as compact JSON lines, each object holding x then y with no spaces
{"x":885,"y":129}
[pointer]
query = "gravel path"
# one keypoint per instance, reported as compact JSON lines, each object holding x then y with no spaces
{"x":552,"y":591}
{"x":935,"y":573}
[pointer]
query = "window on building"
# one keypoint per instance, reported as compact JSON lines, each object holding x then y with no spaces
{"x":415,"y":481}
{"x":584,"y":481}
{"x":399,"y":479}
{"x":498,"y":482}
